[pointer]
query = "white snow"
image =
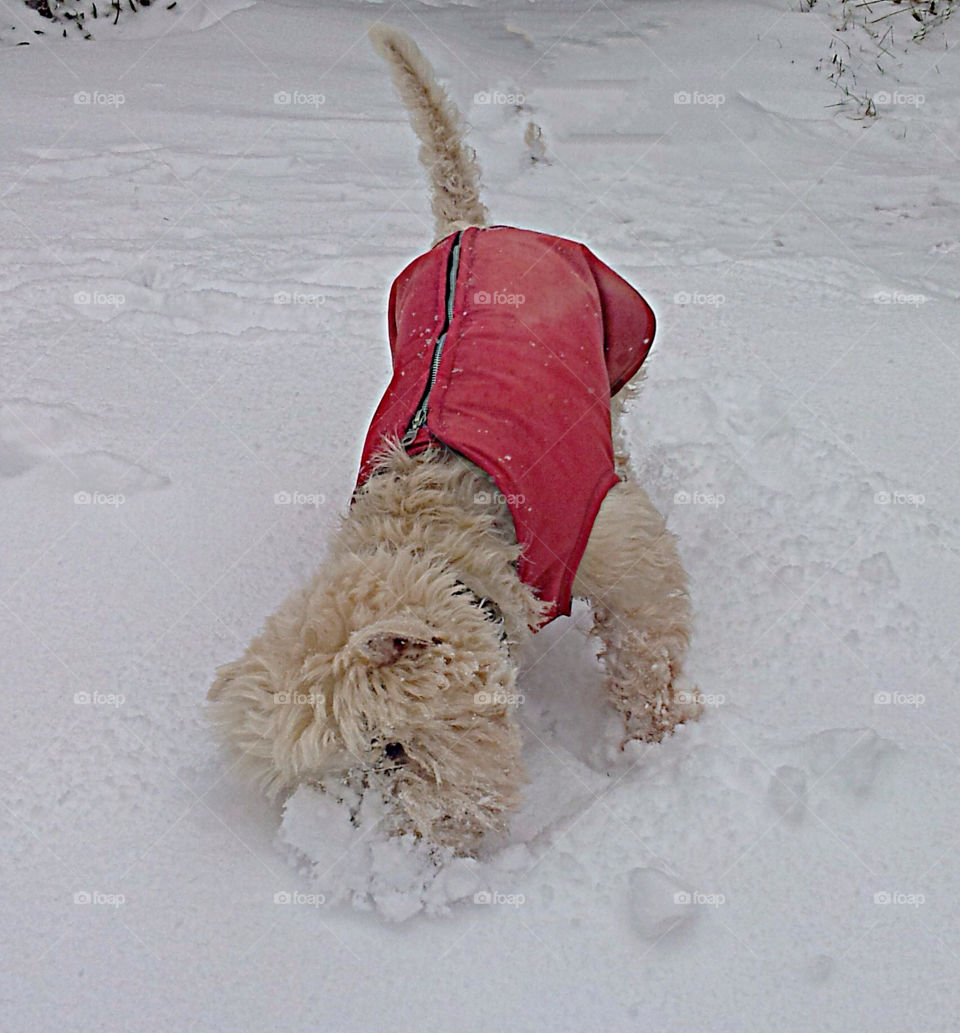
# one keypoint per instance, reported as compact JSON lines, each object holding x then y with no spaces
{"x":201,"y":213}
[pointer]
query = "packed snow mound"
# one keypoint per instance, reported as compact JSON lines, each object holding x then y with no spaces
{"x":339,"y":842}
{"x":336,"y":836}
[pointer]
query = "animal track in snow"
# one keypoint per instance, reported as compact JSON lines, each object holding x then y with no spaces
{"x":50,"y":435}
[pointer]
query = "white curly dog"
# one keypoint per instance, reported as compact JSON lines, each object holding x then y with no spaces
{"x":395,"y":666}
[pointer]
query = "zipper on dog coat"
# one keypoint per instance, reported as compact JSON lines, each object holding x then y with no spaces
{"x":420,"y":416}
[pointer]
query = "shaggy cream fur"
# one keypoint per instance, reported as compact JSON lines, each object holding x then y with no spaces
{"x":453,"y":168}
{"x":395,"y":666}
{"x":386,"y":663}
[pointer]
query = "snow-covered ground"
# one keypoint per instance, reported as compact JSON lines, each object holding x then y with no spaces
{"x":200,"y":214}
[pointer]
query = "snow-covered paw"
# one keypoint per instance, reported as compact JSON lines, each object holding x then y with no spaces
{"x":660,"y":710}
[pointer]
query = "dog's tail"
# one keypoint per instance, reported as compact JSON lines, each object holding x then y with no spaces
{"x":453,"y":169}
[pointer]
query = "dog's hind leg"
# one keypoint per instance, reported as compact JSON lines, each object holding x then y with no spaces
{"x":632,"y":574}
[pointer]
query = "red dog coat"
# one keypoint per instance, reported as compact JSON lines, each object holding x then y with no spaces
{"x":507,"y":346}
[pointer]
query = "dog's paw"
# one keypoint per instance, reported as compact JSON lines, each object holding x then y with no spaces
{"x":666,"y":703}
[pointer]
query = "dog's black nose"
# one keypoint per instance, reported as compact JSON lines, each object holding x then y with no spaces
{"x":395,"y":752}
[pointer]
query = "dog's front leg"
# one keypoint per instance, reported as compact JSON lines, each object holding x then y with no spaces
{"x":632,"y":574}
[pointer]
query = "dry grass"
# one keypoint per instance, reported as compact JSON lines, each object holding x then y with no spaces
{"x":868,"y":38}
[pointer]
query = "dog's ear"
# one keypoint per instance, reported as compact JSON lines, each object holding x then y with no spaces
{"x":385,"y":642}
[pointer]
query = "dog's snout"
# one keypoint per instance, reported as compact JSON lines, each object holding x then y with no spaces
{"x":395,"y":752}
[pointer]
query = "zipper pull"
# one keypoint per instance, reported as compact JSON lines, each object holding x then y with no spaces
{"x":419,"y":418}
